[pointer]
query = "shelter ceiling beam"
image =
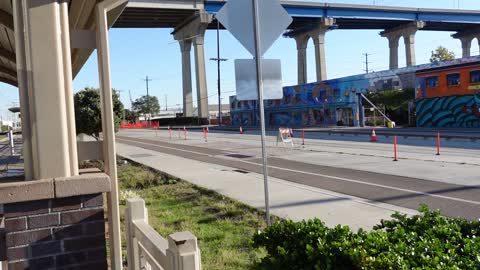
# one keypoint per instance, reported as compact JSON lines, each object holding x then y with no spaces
{"x":9,"y":81}
{"x":8,"y":55}
{"x":8,"y":71}
{"x":6,"y":19}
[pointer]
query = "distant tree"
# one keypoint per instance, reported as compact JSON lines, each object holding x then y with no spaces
{"x":143,"y":105}
{"x":441,"y":54}
{"x":395,"y":103}
{"x":130,"y":116}
{"x":88,"y":119}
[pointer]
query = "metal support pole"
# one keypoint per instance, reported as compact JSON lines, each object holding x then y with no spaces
{"x":72,"y":133}
{"x":361,"y":111}
{"x":108,"y":130}
{"x":218,"y":71}
{"x":148,"y":101}
{"x":218,"y":59}
{"x":258,"y":60}
{"x":11,"y":142}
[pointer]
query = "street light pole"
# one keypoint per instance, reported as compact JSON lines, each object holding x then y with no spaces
{"x":218,"y":59}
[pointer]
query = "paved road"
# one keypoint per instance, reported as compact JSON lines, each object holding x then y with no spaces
{"x":453,"y":200}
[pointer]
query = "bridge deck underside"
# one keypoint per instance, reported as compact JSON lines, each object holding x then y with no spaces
{"x":170,"y":18}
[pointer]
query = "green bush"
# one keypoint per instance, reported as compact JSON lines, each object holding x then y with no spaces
{"x":425,"y":241}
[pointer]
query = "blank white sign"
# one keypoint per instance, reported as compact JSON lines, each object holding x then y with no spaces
{"x":246,"y":79}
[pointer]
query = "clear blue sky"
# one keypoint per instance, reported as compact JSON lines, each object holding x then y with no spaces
{"x":136,"y":53}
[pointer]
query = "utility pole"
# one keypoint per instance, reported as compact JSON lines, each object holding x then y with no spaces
{"x":131,"y":100}
{"x":366,"y":62}
{"x":219,"y":60}
{"x":166,"y":103}
{"x":148,"y":99}
{"x":120,"y":98}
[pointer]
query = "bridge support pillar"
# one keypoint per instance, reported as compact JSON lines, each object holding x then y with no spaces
{"x":202,"y":93}
{"x":407,"y":31}
{"x":302,"y":43}
{"x":318,"y":36}
{"x":192,"y":31}
{"x":466,"y":46}
{"x":186,"y":47}
{"x":409,"y":39}
{"x":393,"y":45}
{"x":466,"y":38}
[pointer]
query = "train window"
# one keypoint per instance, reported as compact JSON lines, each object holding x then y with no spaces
{"x":453,"y":79}
{"x":475,"y":76}
{"x":432,"y":81}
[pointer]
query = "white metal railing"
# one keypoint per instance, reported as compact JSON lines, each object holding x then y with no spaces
{"x":146,"y":249}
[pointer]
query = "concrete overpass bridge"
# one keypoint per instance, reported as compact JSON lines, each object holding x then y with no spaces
{"x":191,"y":18}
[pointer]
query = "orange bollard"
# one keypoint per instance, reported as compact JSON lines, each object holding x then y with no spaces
{"x":438,"y":143}
{"x":205,"y":134}
{"x":395,"y":148}
{"x":303,"y":136}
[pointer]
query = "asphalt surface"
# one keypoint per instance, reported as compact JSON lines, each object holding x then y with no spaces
{"x":452,"y":200}
{"x":472,"y":134}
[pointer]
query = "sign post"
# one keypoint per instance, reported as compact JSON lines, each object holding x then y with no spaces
{"x":268,"y":19}
{"x":258,"y":60}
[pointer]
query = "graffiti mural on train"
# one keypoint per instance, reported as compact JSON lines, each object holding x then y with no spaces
{"x":452,"y":111}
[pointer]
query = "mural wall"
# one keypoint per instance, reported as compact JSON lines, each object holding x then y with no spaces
{"x":331,"y":102}
{"x":452,"y":111}
{"x":327,"y":103}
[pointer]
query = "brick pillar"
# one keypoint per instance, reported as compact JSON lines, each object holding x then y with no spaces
{"x":56,"y":233}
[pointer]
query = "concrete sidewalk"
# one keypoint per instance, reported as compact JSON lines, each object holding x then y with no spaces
{"x":287,"y":200}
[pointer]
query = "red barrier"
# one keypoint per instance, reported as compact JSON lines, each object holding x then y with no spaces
{"x":395,"y":148}
{"x":438,"y":143}
{"x":140,"y":125}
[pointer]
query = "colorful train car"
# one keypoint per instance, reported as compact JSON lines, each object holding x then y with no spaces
{"x":449,"y":96}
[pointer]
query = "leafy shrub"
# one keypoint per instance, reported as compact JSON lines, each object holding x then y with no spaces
{"x":425,"y":241}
